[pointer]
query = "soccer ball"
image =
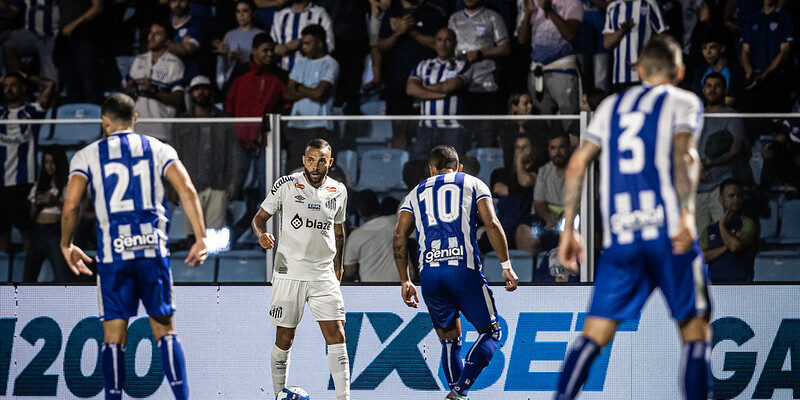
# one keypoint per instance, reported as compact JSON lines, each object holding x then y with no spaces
{"x":293,"y":393}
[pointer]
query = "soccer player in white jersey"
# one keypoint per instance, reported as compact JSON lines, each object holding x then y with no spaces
{"x":444,"y":209}
{"x":308,"y":263}
{"x":123,"y":172}
{"x":648,"y":176}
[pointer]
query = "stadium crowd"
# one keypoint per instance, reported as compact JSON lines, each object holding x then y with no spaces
{"x":251,"y":58}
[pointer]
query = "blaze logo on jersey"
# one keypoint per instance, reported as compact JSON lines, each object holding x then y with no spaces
{"x":442,"y":255}
{"x":297,"y":222}
{"x":135,"y":242}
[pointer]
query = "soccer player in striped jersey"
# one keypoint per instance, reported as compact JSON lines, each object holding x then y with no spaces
{"x":646,"y":138}
{"x":123,"y":173}
{"x":629,"y":26}
{"x":444,"y":210}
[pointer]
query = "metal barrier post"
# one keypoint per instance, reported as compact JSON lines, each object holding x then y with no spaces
{"x":271,"y":175}
{"x":587,"y":213}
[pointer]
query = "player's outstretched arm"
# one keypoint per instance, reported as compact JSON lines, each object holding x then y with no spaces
{"x":686,"y":168}
{"x":570,"y":248}
{"x":179,"y":178}
{"x":75,"y":257}
{"x":405,"y":222}
{"x":497,"y":237}
{"x":259,"y":225}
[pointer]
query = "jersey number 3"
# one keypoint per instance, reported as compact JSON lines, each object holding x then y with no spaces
{"x":629,"y":140}
{"x":447,"y":210}
{"x":118,"y":203}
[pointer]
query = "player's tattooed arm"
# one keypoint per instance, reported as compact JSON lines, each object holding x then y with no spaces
{"x":687,"y":169}
{"x":338,"y":267}
{"x":573,"y":183}
{"x":403,"y":228}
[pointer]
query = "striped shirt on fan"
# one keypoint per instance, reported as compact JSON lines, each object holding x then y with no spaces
{"x":41,"y":16}
{"x":288,"y":25}
{"x":647,"y":21}
{"x":436,"y":70}
{"x":18,"y":145}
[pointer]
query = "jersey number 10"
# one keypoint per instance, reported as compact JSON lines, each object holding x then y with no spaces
{"x":118,"y":203}
{"x":445,"y":211}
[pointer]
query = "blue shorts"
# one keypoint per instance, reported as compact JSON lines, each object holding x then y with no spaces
{"x":450,"y":289}
{"x":626,"y":275}
{"x":122,"y":284}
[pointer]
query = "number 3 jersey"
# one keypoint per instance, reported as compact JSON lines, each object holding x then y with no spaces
{"x":306,"y":243}
{"x":124,"y":174}
{"x":445,"y":209}
{"x":635,"y":129}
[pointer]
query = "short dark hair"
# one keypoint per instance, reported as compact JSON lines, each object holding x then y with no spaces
{"x":250,"y":3}
{"x":168,"y":29}
{"x":118,"y":107}
{"x":319,"y":144}
{"x":262,"y":38}
{"x":367,"y":203}
{"x":729,"y":182}
{"x":315,"y":30}
{"x":558,"y":135}
{"x":715,"y":75}
{"x":443,"y":157}
{"x":18,"y":75}
{"x":661,"y":56}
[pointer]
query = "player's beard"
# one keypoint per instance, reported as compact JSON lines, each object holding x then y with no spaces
{"x":311,"y":179}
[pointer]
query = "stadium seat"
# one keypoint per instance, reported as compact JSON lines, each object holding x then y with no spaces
{"x":184,"y":273}
{"x":382,"y":169}
{"x":76,"y":134}
{"x":380,"y":131}
{"x":237,"y":210}
{"x":46,"y":273}
{"x":16,"y":237}
{"x":5,"y":266}
{"x":124,"y":64}
{"x":17,"y":266}
{"x":175,"y":230}
{"x":777,"y":265}
{"x":756,"y":164}
{"x":242,"y":266}
{"x":347,"y":161}
{"x":790,"y":223}
{"x":46,"y":131}
{"x":490,"y":158}
{"x":522,"y":262}
{"x":769,"y":226}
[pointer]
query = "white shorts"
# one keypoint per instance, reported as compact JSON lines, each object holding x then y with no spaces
{"x":289,"y":299}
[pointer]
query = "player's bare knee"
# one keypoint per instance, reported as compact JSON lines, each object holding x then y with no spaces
{"x":600,"y":330}
{"x":694,"y":329}
{"x":115,"y":331}
{"x":284,"y":337}
{"x":161,"y":326}
{"x":489,"y":329}
{"x":333,"y":331}
{"x":453,"y":331}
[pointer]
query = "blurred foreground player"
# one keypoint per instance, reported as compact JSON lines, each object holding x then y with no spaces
{"x":648,"y":176}
{"x":444,"y":209}
{"x":123,"y":172}
{"x":308,"y":262}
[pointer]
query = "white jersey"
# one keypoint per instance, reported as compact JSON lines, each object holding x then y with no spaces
{"x":306,"y":243}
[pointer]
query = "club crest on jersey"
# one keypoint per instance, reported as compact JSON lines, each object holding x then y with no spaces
{"x":331,"y":204}
{"x":299,"y":185}
{"x":444,"y":255}
{"x":135,"y":242}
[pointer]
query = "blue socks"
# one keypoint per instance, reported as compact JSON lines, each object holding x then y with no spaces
{"x":174,"y":365}
{"x":452,"y":364}
{"x":697,"y":378}
{"x":576,"y":368}
{"x":477,"y":359}
{"x":113,"y":370}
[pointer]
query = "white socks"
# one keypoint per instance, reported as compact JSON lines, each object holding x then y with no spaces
{"x":339,"y":366}
{"x":280,"y":367}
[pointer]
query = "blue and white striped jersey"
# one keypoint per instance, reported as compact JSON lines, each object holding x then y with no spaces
{"x":445,"y":209}
{"x":634,"y":129}
{"x":18,"y":145}
{"x":41,"y":16}
{"x":288,"y":25}
{"x":647,"y":20}
{"x":435,"y":70}
{"x":124,"y":172}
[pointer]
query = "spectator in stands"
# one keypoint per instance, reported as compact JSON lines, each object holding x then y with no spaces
{"x":47,"y":197}
{"x":549,"y":26}
{"x":78,"y":57}
{"x":35,"y":38}
{"x":592,"y":55}
{"x":155,"y":82}
{"x":716,"y":60}
{"x":235,"y":47}
{"x":406,"y":37}
{"x":512,"y":186}
{"x":289,"y":24}
{"x":368,"y":252}
{"x":18,"y":151}
{"x":255,"y":94}
{"x":730,"y":243}
{"x":378,"y":9}
{"x":437,"y":82}
{"x":209,"y":153}
{"x":481,"y":37}
{"x":626,"y":33}
{"x":781,"y":157}
{"x":188,"y":39}
{"x":310,"y":87}
{"x":547,"y":209}
{"x":766,"y":39}
{"x":520,"y":103}
{"x":723,"y":152}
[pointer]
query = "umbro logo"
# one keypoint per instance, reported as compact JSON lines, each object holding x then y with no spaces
{"x":297,"y":222}
{"x":276,"y":312}
{"x":299,"y":199}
